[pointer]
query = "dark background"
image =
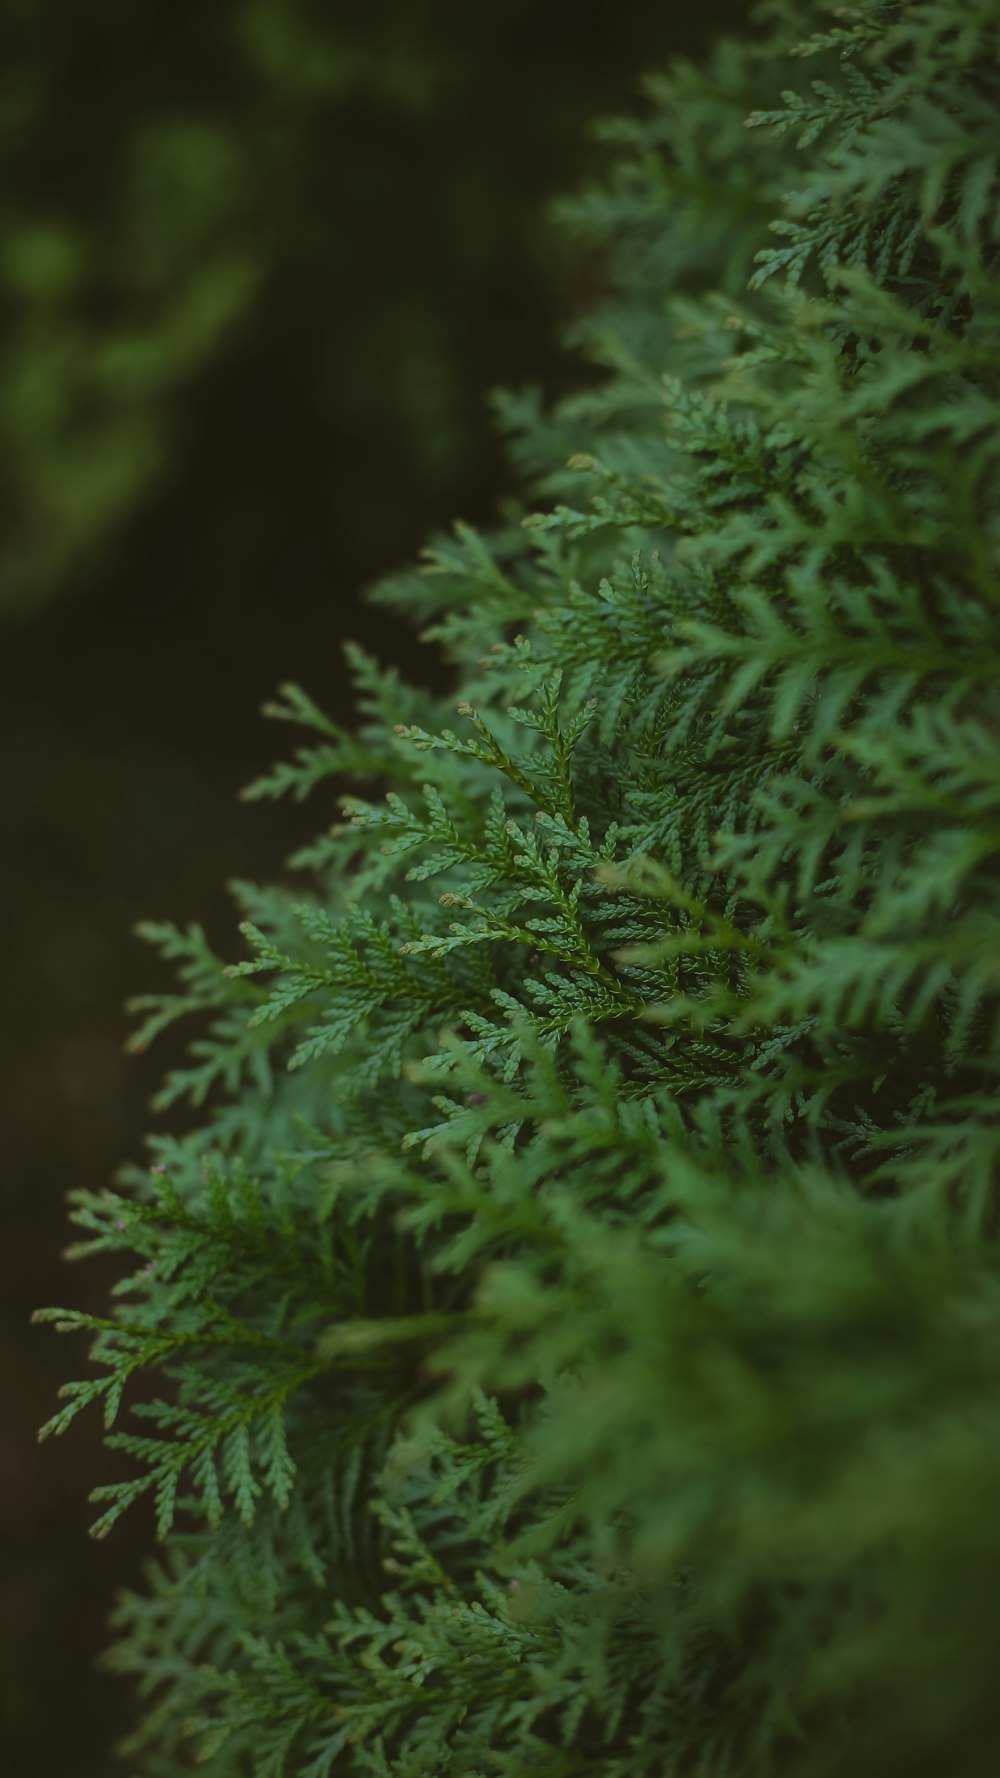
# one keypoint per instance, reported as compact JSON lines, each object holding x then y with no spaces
{"x":261,"y":263}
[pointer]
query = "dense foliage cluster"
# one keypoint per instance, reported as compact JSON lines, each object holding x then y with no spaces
{"x":567,"y":1341}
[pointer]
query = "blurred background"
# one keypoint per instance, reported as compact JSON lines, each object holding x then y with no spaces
{"x":261,"y":262}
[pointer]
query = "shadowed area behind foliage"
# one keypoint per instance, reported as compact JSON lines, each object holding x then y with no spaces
{"x":189,"y":519}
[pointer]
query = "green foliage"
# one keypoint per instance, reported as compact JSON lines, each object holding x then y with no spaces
{"x":194,"y":197}
{"x":569,"y":1329}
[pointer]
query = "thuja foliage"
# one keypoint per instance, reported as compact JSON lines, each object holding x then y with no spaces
{"x":566,"y":1340}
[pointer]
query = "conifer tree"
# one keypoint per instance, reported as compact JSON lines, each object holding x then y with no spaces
{"x":566,"y":1338}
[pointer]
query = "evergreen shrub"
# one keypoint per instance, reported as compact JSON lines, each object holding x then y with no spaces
{"x":567,"y":1339}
